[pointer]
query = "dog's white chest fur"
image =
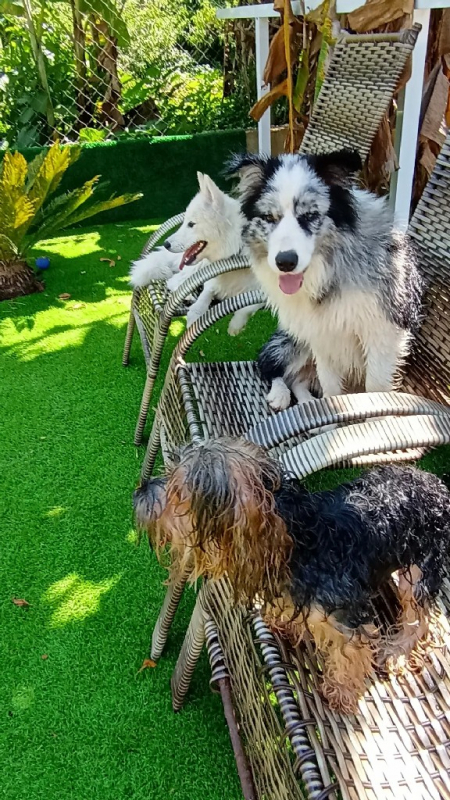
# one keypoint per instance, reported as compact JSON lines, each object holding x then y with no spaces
{"x":339,"y":327}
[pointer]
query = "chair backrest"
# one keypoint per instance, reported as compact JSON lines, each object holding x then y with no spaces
{"x":428,"y":371}
{"x":362,"y":77}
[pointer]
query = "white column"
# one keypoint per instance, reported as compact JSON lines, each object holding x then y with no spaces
{"x":402,"y":184}
{"x":261,"y":54}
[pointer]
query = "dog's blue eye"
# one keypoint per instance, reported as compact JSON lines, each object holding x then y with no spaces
{"x":191,"y":224}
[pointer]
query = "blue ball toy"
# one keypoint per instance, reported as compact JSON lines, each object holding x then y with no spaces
{"x":42,"y":262}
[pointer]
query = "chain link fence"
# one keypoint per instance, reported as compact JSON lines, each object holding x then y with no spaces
{"x":89,"y":70}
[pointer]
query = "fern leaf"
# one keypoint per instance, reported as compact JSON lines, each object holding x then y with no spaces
{"x":67,"y":205}
{"x":104,"y":205}
{"x":16,"y":209}
{"x":33,"y":169}
{"x":56,"y":162}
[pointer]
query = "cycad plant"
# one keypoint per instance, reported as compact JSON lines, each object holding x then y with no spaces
{"x":27,"y":215}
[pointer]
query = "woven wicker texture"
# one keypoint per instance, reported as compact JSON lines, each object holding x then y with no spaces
{"x":253,"y":699}
{"x":429,"y":370}
{"x":360,"y":82}
{"x":398,"y":745}
{"x":358,"y":87}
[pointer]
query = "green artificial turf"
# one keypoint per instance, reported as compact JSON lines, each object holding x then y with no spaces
{"x":77,"y":718}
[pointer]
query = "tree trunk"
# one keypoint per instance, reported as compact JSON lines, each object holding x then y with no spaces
{"x":17,"y":279}
{"x":84,"y":106}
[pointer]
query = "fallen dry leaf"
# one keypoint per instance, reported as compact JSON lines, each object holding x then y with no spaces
{"x":110,"y":261}
{"x":79,"y":305}
{"x":44,"y":657}
{"x":64,"y":296}
{"x":20,"y":602}
{"x":146,"y":664}
{"x":376,"y":13}
{"x":119,"y":258}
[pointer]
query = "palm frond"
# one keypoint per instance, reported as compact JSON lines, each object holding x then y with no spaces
{"x":67,"y":205}
{"x":104,"y":205}
{"x":16,"y":209}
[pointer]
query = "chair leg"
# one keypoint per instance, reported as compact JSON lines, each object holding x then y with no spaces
{"x":128,"y":339}
{"x":189,"y":655}
{"x":143,"y":411}
{"x":154,"y":443}
{"x":165,"y":618}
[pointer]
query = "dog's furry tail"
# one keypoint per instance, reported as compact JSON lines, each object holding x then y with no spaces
{"x":160,"y":264}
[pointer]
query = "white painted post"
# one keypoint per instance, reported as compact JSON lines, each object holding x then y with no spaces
{"x":401,"y":190}
{"x":261,"y":54}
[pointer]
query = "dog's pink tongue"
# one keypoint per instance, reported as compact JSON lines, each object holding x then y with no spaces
{"x":289,"y":283}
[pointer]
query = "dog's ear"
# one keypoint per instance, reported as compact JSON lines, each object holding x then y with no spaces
{"x":337,"y":168}
{"x":201,"y":180}
{"x":149,"y":502}
{"x":250,"y":168}
{"x":211,"y":191}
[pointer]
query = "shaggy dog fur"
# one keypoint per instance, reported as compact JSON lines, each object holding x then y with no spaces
{"x":288,"y":367}
{"x":211,"y":231}
{"x":315,"y":561}
{"x":343,"y":283}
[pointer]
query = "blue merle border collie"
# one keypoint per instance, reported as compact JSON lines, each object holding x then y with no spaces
{"x":343,"y":282}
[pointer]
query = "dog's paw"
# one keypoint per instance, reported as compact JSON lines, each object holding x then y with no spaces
{"x":192,"y":316}
{"x":279,"y":397}
{"x":235,"y":327}
{"x":175,"y":281}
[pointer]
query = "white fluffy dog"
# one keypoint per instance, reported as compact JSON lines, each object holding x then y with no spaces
{"x":211,"y":231}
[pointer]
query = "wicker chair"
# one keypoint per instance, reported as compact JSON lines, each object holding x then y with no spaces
{"x":360,"y":82}
{"x":398,"y":745}
{"x":207,"y":400}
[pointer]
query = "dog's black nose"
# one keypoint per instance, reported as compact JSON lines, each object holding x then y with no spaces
{"x":287,"y":260}
{"x":167,"y":244}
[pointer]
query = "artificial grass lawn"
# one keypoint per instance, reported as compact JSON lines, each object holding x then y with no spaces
{"x":77,"y":719}
{"x":82,"y":723}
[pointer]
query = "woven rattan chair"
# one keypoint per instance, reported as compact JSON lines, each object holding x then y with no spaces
{"x":398,"y":745}
{"x":360,"y":82}
{"x":208,"y":400}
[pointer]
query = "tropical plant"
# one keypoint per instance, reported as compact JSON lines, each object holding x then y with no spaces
{"x":27,"y":214}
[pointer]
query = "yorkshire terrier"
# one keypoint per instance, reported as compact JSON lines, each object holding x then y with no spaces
{"x":314,"y":562}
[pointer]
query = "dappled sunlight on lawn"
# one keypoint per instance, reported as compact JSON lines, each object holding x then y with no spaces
{"x":73,"y":245}
{"x":74,"y":598}
{"x":132,"y":537}
{"x":56,"y":511}
{"x":26,"y":345}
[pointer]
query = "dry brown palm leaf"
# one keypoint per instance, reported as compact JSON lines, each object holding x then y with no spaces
{"x":376,"y":14}
{"x":381,"y":161}
{"x":280,"y":90}
{"x":283,"y":53}
{"x":288,"y":16}
{"x":444,"y":33}
{"x":276,"y":61}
